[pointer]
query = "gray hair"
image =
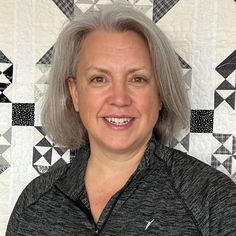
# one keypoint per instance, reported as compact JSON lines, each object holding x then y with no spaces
{"x":62,"y":123}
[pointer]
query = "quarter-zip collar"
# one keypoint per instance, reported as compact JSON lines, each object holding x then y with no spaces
{"x":72,"y":182}
{"x":72,"y":185}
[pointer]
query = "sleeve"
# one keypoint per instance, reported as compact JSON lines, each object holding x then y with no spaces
{"x":35,"y":189}
{"x":222,"y":213}
{"x":22,"y":202}
{"x":209,"y":194}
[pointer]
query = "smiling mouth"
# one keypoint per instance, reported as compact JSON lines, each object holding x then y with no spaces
{"x":118,"y":121}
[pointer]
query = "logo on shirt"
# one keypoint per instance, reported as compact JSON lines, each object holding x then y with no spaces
{"x":148,"y":224}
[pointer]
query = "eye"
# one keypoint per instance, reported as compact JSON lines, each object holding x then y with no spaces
{"x":138,"y":79}
{"x":98,"y":79}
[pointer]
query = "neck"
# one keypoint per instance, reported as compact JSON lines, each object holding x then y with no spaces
{"x":106,"y":163}
{"x":106,"y":173}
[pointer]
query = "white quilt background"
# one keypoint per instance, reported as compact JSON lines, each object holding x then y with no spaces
{"x":203,"y":33}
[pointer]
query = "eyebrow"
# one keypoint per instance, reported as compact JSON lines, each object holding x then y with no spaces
{"x":106,"y":71}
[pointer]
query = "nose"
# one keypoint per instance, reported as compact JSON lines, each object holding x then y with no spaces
{"x":119,"y":94}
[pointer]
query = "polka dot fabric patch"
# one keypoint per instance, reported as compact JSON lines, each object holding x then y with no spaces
{"x":201,"y":121}
{"x":23,"y":114}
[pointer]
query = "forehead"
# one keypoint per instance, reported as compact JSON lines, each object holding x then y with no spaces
{"x":103,"y":43}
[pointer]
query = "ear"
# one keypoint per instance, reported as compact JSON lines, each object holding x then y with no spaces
{"x":71,"y":83}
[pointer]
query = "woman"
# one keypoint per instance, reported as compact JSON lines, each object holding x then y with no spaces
{"x":116,"y":93}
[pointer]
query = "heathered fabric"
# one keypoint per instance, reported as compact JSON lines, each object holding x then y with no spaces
{"x":170,"y":193}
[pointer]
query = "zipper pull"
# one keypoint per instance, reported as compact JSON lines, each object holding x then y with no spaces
{"x":96,"y":231}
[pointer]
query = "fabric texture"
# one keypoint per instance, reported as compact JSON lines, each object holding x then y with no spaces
{"x":203,"y":34}
{"x":161,"y":7}
{"x":170,"y":193}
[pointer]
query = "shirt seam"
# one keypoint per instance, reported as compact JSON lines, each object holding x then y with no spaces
{"x":30,"y":203}
{"x":189,"y":212}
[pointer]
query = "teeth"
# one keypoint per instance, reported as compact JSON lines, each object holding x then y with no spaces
{"x":118,"y":121}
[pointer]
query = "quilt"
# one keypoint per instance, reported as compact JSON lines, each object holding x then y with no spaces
{"x":203,"y":34}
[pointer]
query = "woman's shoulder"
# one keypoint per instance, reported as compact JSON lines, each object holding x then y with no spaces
{"x":32,"y":192}
{"x":187,"y":166}
{"x":192,"y":177}
{"x":208,"y":194}
{"x":198,"y":182}
{"x":38,"y":186}
{"x":182,"y":165}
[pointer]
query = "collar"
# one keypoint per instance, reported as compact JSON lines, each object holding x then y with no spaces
{"x":71,"y":182}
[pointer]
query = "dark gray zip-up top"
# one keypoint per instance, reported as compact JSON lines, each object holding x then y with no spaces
{"x":170,"y":193}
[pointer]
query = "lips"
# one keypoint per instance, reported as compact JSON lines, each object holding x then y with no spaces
{"x":119,"y":121}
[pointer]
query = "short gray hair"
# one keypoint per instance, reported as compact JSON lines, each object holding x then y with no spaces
{"x":62,"y":123}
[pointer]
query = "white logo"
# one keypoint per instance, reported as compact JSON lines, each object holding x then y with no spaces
{"x":148,"y":224}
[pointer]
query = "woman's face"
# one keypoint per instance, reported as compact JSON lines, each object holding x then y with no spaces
{"x":115,"y":91}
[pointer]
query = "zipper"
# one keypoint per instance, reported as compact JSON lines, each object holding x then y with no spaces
{"x":88,"y":212}
{"x":135,"y":174}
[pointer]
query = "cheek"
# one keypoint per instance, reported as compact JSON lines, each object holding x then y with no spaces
{"x":89,"y":107}
{"x":150,"y":109}
{"x":150,"y":103}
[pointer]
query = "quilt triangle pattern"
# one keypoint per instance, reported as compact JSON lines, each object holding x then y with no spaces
{"x":5,"y":148}
{"x":6,"y":76}
{"x":39,"y":91}
{"x":222,"y":138}
{"x":46,"y":153}
{"x":5,"y":136}
{"x":46,"y":58}
{"x":225,"y":92}
{"x":187,"y":71}
{"x":226,"y":67}
{"x":44,"y":68}
{"x":227,"y":96}
{"x":183,"y":63}
{"x":228,"y":164}
{"x":3,"y":58}
{"x":231,"y":100}
{"x":81,"y":7}
{"x":3,"y":164}
{"x":214,"y":162}
{"x":222,"y":150}
{"x":3,"y":97}
{"x":41,"y":81}
{"x":223,"y":155}
{"x":218,"y":99}
{"x":66,"y":6}
{"x":234,"y":146}
{"x":225,"y":85}
{"x":146,"y":7}
{"x":160,"y":8}
{"x":180,"y":143}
